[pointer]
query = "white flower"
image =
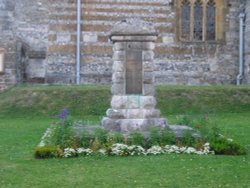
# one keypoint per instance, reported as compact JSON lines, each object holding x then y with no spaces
{"x":136,"y":150}
{"x":182,"y":149}
{"x":102,"y":151}
{"x":155,"y":150}
{"x":207,"y":145}
{"x":69,"y":152}
{"x":119,"y":149}
{"x":83,"y":151}
{"x":125,"y":150}
{"x":190,"y":150}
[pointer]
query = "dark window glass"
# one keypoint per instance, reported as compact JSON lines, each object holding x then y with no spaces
{"x":210,"y":21}
{"x":198,"y":17}
{"x":185,"y":20}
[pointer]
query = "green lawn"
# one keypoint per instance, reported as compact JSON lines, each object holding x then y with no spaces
{"x":19,"y":136}
{"x":26,"y":112}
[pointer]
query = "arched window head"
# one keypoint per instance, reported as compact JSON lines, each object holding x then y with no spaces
{"x":211,"y":20}
{"x":185,"y":20}
{"x":198,"y":20}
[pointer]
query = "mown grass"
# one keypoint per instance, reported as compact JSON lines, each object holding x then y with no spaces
{"x":86,"y":101}
{"x":19,"y":168}
{"x":21,"y":130}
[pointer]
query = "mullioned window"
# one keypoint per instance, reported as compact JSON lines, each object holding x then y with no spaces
{"x":200,"y":20}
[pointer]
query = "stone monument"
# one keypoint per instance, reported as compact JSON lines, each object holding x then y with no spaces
{"x":133,"y":102}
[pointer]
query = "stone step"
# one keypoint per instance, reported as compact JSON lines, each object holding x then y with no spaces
{"x":133,"y":113}
{"x":133,"y":102}
{"x":130,"y":125}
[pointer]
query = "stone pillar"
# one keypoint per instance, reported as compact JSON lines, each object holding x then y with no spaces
{"x":133,"y":102}
{"x":1,"y":60}
{"x":2,"y":81}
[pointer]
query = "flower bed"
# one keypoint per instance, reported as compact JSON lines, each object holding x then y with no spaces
{"x":126,"y":150}
{"x":61,"y":141}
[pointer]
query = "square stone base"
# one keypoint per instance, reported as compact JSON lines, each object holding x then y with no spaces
{"x":130,"y":125}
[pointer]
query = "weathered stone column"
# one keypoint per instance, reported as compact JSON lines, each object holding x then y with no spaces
{"x":1,"y":60}
{"x":133,"y":102}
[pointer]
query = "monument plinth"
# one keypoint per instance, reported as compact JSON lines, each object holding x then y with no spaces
{"x":133,"y":102}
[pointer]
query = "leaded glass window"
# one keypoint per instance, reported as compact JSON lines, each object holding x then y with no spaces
{"x":198,"y":17}
{"x":200,"y":20}
{"x":210,"y":25}
{"x":185,"y":20}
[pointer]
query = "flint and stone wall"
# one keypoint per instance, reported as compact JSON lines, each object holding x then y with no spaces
{"x":7,"y":42}
{"x":247,"y":43}
{"x":177,"y":62}
{"x":39,"y":37}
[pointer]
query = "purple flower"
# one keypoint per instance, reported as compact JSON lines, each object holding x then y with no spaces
{"x":64,"y":114}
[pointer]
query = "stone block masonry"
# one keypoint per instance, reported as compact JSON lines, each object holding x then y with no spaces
{"x":193,"y":63}
{"x":247,"y":44}
{"x":48,"y":28}
{"x":7,"y":45}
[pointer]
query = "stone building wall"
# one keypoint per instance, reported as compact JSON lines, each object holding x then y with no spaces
{"x":31,"y":31}
{"x":7,"y":42}
{"x":24,"y":33}
{"x":42,"y":34}
{"x":247,"y":43}
{"x":176,"y":62}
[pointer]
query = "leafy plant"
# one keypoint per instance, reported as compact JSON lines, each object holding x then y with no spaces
{"x":167,"y":137}
{"x":63,"y":137}
{"x":101,"y":135}
{"x":187,"y":138}
{"x":63,"y":134}
{"x":95,"y":145}
{"x":47,"y":152}
{"x":86,"y":138}
{"x":136,"y":138}
{"x":117,"y":137}
{"x":224,"y":146}
{"x":154,"y":137}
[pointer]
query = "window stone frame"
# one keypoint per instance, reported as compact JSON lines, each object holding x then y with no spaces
{"x":219,"y":21}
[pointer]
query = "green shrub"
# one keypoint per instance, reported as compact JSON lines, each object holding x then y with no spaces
{"x":95,"y":145}
{"x":63,"y":134}
{"x":117,"y":137}
{"x":86,"y":138}
{"x":136,"y":138}
{"x":167,"y":137}
{"x":63,"y":137}
{"x":101,"y":135}
{"x":154,"y":137}
{"x":223,"y":146}
{"x":92,"y":139}
{"x":188,"y":139}
{"x":47,"y":152}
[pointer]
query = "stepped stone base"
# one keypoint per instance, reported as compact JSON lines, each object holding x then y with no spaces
{"x":130,"y":125}
{"x":130,"y":113}
{"x":178,"y":130}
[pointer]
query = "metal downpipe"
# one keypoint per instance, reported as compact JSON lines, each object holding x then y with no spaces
{"x":241,"y":49}
{"x":78,"y":45}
